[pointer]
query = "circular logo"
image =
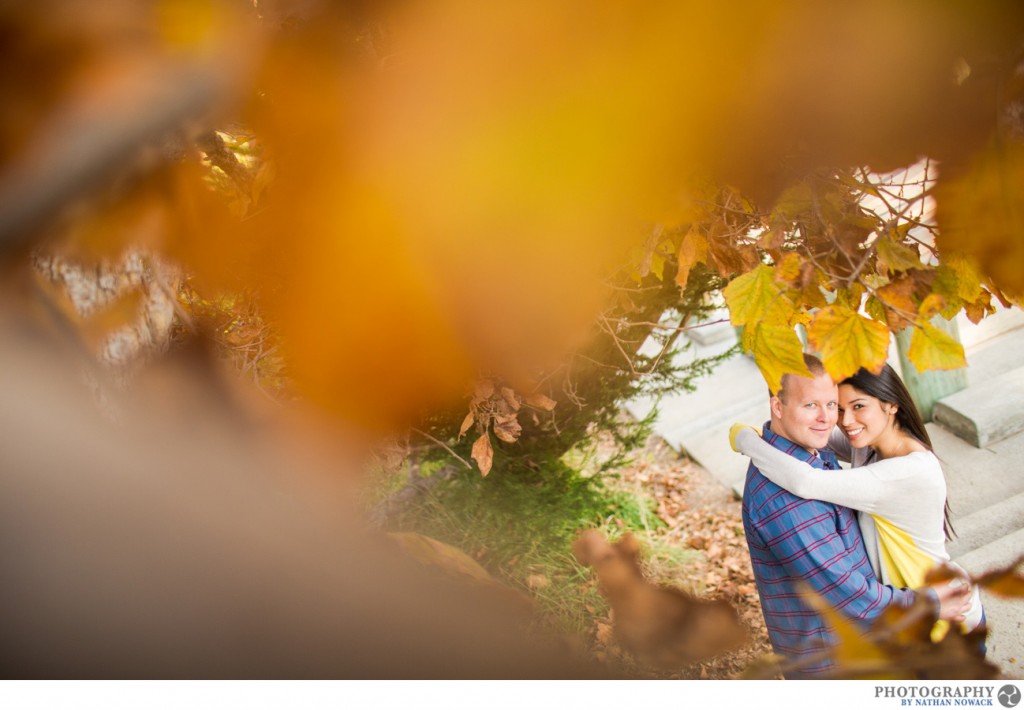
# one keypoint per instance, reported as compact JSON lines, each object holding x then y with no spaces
{"x":1009,"y":696}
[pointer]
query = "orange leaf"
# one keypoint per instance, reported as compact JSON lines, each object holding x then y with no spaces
{"x":898,"y":300}
{"x":1007,"y":582}
{"x":694,"y":249}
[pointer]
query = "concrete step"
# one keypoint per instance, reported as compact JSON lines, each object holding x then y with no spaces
{"x":985,"y":412}
{"x":710,"y":446}
{"x":994,"y":345}
{"x":1005,"y":621}
{"x":987,"y":525}
{"x":978,"y":478}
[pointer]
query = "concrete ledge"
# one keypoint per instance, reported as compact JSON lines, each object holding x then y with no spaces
{"x":1006,"y":630}
{"x":988,"y":525}
{"x":986,"y":412}
{"x":712,"y":333}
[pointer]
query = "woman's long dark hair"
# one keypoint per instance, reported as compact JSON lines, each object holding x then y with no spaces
{"x":888,"y":387}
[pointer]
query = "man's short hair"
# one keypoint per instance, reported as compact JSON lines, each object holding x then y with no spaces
{"x":813,"y":364}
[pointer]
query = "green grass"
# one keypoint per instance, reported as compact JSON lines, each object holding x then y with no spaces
{"x":520,"y":522}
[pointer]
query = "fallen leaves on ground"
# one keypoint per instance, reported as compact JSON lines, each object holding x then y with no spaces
{"x":702,"y":516}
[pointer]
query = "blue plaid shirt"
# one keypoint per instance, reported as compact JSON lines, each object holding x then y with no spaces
{"x":792,"y":539}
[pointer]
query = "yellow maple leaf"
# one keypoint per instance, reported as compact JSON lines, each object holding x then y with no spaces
{"x":756,"y":297}
{"x":895,"y":256}
{"x":777,"y":351}
{"x":934,"y":349}
{"x":968,"y":283}
{"x":855,"y":655}
{"x":788,"y":268}
{"x":848,"y":341}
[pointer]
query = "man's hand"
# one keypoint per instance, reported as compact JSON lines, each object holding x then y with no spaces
{"x":954,"y":599}
{"x":735,"y":430}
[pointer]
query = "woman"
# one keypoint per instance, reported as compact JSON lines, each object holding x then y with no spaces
{"x":896,"y":482}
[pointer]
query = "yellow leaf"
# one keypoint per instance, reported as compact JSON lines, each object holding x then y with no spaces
{"x":777,"y":351}
{"x":693,"y":249}
{"x":853,"y":651}
{"x":895,"y":256}
{"x":848,"y":341}
{"x":931,"y":305}
{"x":934,"y":349}
{"x":483,"y":454}
{"x":875,"y":309}
{"x":756,"y":297}
{"x":788,"y":268}
{"x":968,"y":280}
{"x":851,"y":296}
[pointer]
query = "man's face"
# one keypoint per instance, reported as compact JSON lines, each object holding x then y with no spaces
{"x":807,"y":411}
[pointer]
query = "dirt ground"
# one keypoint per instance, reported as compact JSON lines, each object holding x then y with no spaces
{"x":702,"y":517}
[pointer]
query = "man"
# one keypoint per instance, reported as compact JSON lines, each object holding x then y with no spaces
{"x":791,"y":539}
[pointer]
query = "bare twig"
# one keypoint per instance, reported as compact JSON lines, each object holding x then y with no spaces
{"x":443,"y":446}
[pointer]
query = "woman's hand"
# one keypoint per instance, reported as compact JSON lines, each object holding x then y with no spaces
{"x":954,"y":599}
{"x":735,"y":430}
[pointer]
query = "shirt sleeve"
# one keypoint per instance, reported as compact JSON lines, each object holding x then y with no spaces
{"x":807,"y":543}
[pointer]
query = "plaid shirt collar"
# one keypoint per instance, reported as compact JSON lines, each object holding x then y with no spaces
{"x":824,"y":460}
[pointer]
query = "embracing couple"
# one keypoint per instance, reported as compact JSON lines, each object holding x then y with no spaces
{"x":801,"y":520}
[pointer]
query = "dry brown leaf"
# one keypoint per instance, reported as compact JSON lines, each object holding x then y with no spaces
{"x":466,"y":424}
{"x":483,"y":389}
{"x":509,"y":395}
{"x":537,"y":581}
{"x":1006,"y":582}
{"x":507,"y":429}
{"x":452,"y":560}
{"x":662,"y":626}
{"x":697,"y":542}
{"x":541,"y":401}
{"x":483,"y":453}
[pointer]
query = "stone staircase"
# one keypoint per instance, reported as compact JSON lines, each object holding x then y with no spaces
{"x":978,"y":435}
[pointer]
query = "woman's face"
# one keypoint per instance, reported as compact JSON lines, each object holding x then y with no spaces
{"x":862,"y":417}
